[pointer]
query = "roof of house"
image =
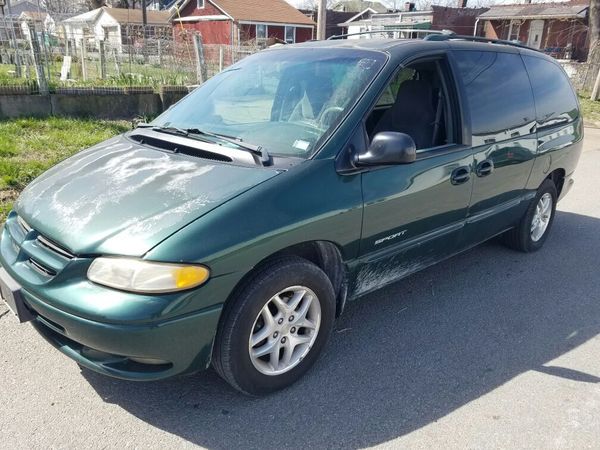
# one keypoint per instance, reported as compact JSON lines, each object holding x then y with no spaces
{"x":36,"y":16}
{"x":359,"y":5}
{"x":17,"y":8}
{"x":536,"y":11}
{"x":265,"y":11}
{"x":278,"y":11}
{"x":399,"y":17}
{"x":122,"y":15}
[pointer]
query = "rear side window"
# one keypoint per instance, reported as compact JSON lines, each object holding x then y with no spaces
{"x":498,"y":93}
{"x":555,"y":101}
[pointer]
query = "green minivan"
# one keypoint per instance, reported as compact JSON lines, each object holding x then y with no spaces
{"x":233,"y":229}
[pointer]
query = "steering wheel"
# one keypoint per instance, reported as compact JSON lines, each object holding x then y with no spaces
{"x":323,"y":117}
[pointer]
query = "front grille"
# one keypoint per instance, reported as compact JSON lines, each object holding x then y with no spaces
{"x":54,"y":247}
{"x":41,"y":269}
{"x":43,"y":256}
{"x":24,"y":225}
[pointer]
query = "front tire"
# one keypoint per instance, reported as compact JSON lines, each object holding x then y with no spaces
{"x":275,"y":327}
{"x":533,"y":229}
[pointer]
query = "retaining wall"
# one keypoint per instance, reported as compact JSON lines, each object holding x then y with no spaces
{"x":107,"y":103}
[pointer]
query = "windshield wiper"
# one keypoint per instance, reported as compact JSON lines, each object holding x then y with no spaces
{"x":257,"y":150}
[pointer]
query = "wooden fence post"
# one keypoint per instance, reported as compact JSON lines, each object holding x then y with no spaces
{"x":83,"y":62}
{"x":102,"y":60}
{"x":200,"y":63}
{"x":37,"y":60}
{"x":221,"y":55}
{"x":117,"y":66}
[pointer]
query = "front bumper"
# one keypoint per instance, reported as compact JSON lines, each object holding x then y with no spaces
{"x":121,"y":334}
{"x":145,"y":352}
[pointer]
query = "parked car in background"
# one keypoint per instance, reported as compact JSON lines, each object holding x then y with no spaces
{"x":235,"y":227}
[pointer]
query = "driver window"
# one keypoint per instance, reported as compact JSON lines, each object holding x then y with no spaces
{"x":415,"y":103}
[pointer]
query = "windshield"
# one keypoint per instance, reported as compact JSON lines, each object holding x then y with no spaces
{"x":283,"y":100}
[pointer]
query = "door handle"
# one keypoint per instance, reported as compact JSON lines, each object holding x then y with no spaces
{"x":460,"y":175}
{"x":484,"y":168}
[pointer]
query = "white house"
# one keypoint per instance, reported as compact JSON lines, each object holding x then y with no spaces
{"x":390,"y":25}
{"x":39,"y":21}
{"x":115,"y":26}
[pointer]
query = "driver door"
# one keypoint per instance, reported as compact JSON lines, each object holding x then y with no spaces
{"x":414,"y":213}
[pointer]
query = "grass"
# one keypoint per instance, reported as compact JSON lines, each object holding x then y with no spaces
{"x":589,"y":108}
{"x":132,"y":74}
{"x":30,"y":146}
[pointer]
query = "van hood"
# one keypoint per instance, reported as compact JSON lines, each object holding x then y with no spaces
{"x":122,"y":198}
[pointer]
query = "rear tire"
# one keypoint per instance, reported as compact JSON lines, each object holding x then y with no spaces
{"x":274,"y":328}
{"x":533,"y":229}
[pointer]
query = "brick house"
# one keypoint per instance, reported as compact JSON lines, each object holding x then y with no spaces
{"x":233,"y":22}
{"x":559,"y":29}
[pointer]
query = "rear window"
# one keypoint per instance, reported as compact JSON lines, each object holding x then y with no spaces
{"x":498,"y":93}
{"x":555,"y":101}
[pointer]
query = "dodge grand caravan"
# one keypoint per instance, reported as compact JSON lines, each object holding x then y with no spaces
{"x":234,"y":228}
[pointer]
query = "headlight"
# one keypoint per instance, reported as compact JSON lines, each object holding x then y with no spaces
{"x":144,"y":276}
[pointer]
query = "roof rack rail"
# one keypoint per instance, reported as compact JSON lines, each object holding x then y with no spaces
{"x":436,"y":35}
{"x":452,"y":36}
{"x":390,"y":30}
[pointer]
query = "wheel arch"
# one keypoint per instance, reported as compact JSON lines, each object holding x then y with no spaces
{"x":557,"y":176}
{"x":324,"y":254}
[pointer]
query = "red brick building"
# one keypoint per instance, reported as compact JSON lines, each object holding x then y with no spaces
{"x":234,"y":22}
{"x":559,"y":29}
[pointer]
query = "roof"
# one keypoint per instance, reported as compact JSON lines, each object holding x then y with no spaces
{"x":123,"y":15}
{"x":265,"y":11}
{"x":34,"y":15}
{"x":278,"y":11}
{"x":408,"y":18}
{"x":86,"y":17}
{"x":536,"y":11}
{"x":23,"y":6}
{"x":359,"y":5}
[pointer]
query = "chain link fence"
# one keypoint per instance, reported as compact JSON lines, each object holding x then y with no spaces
{"x":40,"y":54}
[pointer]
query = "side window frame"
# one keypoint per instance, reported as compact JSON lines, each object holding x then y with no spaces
{"x":452,"y":91}
{"x":539,"y":125}
{"x":464,"y":94}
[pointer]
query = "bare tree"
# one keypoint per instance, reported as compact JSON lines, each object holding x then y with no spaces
{"x":594,"y":31}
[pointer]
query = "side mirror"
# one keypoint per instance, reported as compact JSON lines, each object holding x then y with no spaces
{"x":388,"y":148}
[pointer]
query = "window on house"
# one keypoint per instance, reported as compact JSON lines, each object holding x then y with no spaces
{"x":200,"y":4}
{"x":514,"y":30}
{"x":261,"y":31}
{"x":290,"y":35}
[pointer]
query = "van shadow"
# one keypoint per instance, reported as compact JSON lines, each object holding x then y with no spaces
{"x":406,"y":355}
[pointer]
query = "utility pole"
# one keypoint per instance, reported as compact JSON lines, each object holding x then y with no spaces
{"x":144,"y":16}
{"x":322,"y":20}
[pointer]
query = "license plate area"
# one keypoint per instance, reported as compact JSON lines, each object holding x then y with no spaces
{"x":10,"y":292}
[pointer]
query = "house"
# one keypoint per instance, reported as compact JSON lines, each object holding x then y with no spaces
{"x":39,"y":22}
{"x":390,"y":24}
{"x":332,"y":19}
{"x":559,"y":29}
{"x":117,"y":26}
{"x":10,"y":24}
{"x":233,"y":22}
{"x":356,"y":6}
{"x":459,"y":20}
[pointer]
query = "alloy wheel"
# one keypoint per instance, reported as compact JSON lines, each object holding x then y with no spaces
{"x":541,"y":217}
{"x":285,"y":330}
